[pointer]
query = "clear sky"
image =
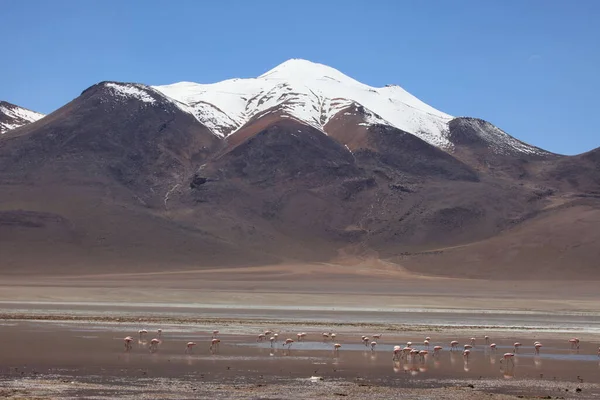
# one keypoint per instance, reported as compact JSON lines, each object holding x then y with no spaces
{"x":531,"y":67}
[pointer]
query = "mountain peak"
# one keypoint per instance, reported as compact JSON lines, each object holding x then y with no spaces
{"x":13,"y":116}
{"x":310,"y":92}
{"x":298,"y":69}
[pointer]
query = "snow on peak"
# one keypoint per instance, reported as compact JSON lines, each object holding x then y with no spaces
{"x":12,"y":116}
{"x":129,"y":90}
{"x":311,"y":92}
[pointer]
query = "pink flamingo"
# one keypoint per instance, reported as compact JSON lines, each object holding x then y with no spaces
{"x":288,"y":343}
{"x":509,"y":357}
{"x":272,"y":340}
{"x":336,"y":347}
{"x":189,"y":347}
{"x":473,"y":341}
{"x":260,"y":338}
{"x":159,"y":331}
{"x":214,"y":343}
{"x":373,"y":344}
{"x":154,"y":345}
{"x":468,"y":347}
{"x":267,"y":333}
{"x":517,"y":345}
{"x":276,"y":336}
{"x":366,"y":340}
{"x":377,"y":336}
{"x":409,"y":344}
{"x":325,"y":336}
{"x":398,"y":349}
{"x":493,"y":346}
{"x":128,"y":341}
{"x":437,"y":350}
{"x":423,"y":354}
{"x":333,"y":336}
{"x":466,"y":354}
{"x":426,"y":343}
{"x":413,"y":354}
{"x":537,"y":346}
{"x":453,"y":345}
{"x":574,"y":343}
{"x":214,"y":334}
{"x":487,"y":339}
{"x":142,"y":333}
{"x":406,"y":351}
{"x":301,"y":336}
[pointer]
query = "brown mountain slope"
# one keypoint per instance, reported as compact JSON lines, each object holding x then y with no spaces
{"x":132,"y":183}
{"x":560,"y":242}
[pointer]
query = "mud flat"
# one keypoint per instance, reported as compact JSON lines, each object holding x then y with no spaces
{"x":87,"y":359}
{"x":62,"y":336}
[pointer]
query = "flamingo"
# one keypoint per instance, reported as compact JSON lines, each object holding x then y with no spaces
{"x":159,"y":331}
{"x":437,"y":349}
{"x":128,"y":341}
{"x":298,"y":335}
{"x":325,"y":336}
{"x":260,"y":337}
{"x":517,"y":345}
{"x":468,"y":347}
{"x":537,"y":346}
{"x":413,"y":354}
{"x":377,"y":336}
{"x":428,"y":339}
{"x":426,"y":343}
{"x":574,"y":343}
{"x":333,"y":335}
{"x":423,"y":354}
{"x":276,"y":336}
{"x":154,"y":345}
{"x":408,"y":344}
{"x":398,"y":349}
{"x":406,"y":351}
{"x":366,"y":340}
{"x":508,"y":357}
{"x":142,"y":333}
{"x":267,"y":333}
{"x":214,"y":334}
{"x":487,"y":339}
{"x":214,"y":344}
{"x":453,"y":345}
{"x":493,"y":346}
{"x":189,"y":347}
{"x":336,"y":347}
{"x":373,"y":344}
{"x":288,"y":343}
{"x":466,"y":354}
{"x":272,"y":339}
{"x":473,"y":341}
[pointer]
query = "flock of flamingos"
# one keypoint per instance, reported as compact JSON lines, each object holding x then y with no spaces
{"x":407,"y":352}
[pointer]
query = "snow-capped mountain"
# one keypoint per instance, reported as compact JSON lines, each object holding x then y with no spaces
{"x":12,"y":116}
{"x":315,"y":94}
{"x":311,"y":92}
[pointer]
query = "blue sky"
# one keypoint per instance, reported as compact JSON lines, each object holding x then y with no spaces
{"x":529,"y":66}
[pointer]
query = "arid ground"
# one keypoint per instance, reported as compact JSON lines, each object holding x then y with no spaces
{"x":62,"y":336}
